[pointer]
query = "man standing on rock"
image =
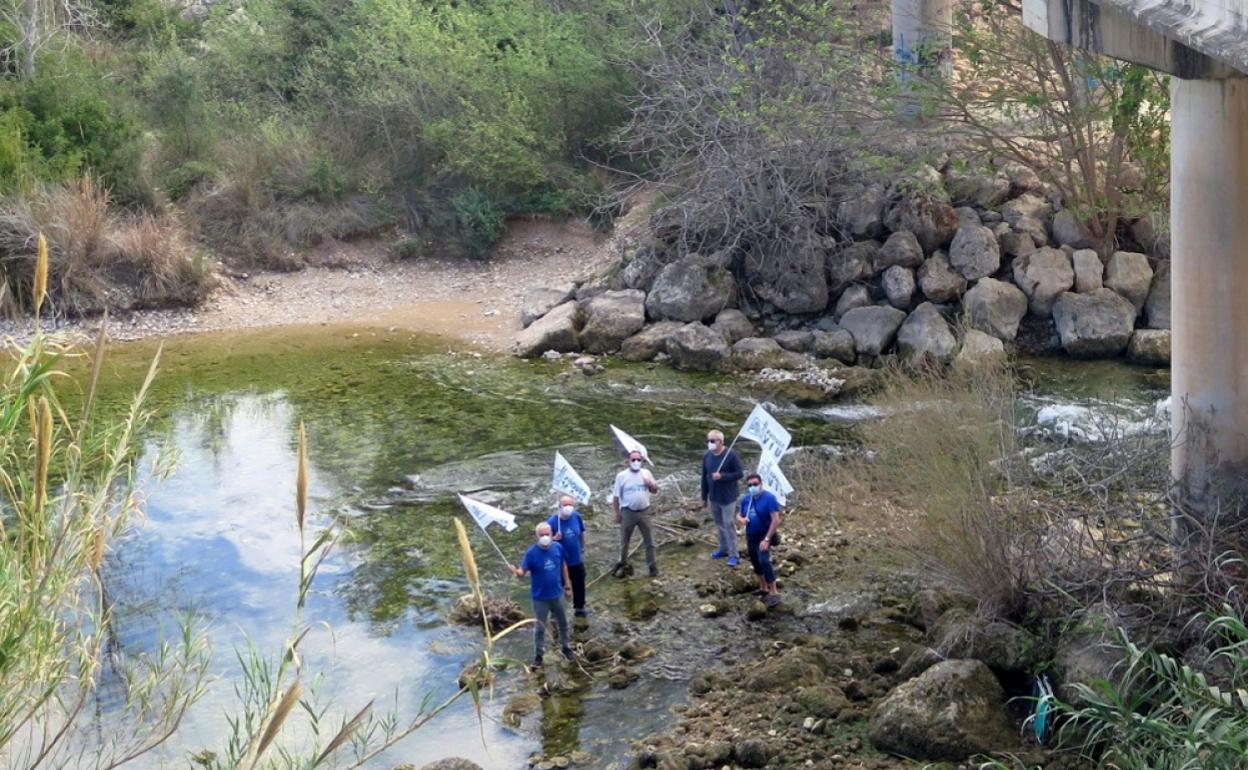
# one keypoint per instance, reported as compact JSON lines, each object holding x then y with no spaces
{"x":547,"y":568}
{"x":720,"y":471}
{"x":569,"y":531}
{"x":630,"y":496}
{"x":760,"y":513}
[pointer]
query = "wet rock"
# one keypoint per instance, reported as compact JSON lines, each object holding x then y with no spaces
{"x":925,"y":337}
{"x":611,"y":318}
{"x":854,"y":297}
{"x":712,"y":754}
{"x":1043,"y":275}
{"x":557,"y":331}
{"x":996,"y":307}
{"x":932,"y":222}
{"x":1150,"y":346}
{"x":635,"y":650}
{"x":758,"y":353}
{"x":794,"y":282}
{"x":751,"y":753}
{"x":898,"y":285}
{"x":733,"y":325}
{"x":689,"y":289}
{"x":902,"y":249}
{"x":501,"y":613}
{"x":673,"y":760}
{"x":873,"y":328}
{"x":796,"y":340}
{"x":538,"y":302}
{"x":1003,"y":647}
{"x":451,"y":763}
{"x":696,"y":347}
{"x":710,"y":610}
{"x":1157,"y":306}
{"x":649,"y":342}
{"x":975,"y":252}
{"x":1069,"y":231}
{"x":1129,"y":274}
{"x":756,"y":611}
{"x":862,"y":216}
{"x":596,"y":650}
{"x":978,"y":349}
{"x":851,"y":264}
{"x":1096,"y":325}
{"x":621,"y":676}
{"x":1089,"y":272}
{"x":786,"y":670}
{"x":952,"y":711}
{"x":939,"y":281}
{"x":837,"y":344}
{"x":520,"y":706}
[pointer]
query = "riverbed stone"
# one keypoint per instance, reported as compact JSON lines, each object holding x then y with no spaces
{"x":853,"y":297}
{"x":939,"y":281}
{"x":996,"y":307}
{"x":649,"y":342}
{"x":862,"y":215}
{"x":452,"y":763}
{"x":1043,"y":275}
{"x":751,"y":753}
{"x":733,"y":325}
{"x":796,"y":340}
{"x":795,"y":282}
{"x":902,"y":249}
{"x":975,"y":252}
{"x":757,"y":353}
{"x":978,"y":349}
{"x":851,"y":264}
{"x":924,"y":337}
{"x":1095,"y":325}
{"x":1089,"y":271}
{"x":1069,"y":231}
{"x":611,"y":318}
{"x":1157,"y":306}
{"x":689,"y":289}
{"x":1150,"y":346}
{"x":1129,"y":274}
{"x":557,"y":331}
{"x":540,"y":301}
{"x":873,"y":328}
{"x":932,"y":221}
{"x":951,"y":711}
{"x":837,"y":343}
{"x":898,"y":285}
{"x":697,"y":347}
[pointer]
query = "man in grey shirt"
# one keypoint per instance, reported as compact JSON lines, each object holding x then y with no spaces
{"x":630,"y":496}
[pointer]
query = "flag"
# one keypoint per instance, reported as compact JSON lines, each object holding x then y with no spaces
{"x":774,"y":479}
{"x":485,"y":515}
{"x":568,"y":481}
{"x":630,"y":444}
{"x":769,"y":434}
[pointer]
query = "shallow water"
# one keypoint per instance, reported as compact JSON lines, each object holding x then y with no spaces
{"x":397,"y":425}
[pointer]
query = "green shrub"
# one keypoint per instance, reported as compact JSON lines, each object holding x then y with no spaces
{"x":479,"y":221}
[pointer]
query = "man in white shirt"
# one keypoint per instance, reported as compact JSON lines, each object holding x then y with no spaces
{"x":630,"y":496}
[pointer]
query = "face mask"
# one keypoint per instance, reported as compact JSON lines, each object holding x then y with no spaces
{"x":711,"y":445}
{"x":565,"y":512}
{"x":544,"y":541}
{"x":635,"y":464}
{"x":755,"y":489}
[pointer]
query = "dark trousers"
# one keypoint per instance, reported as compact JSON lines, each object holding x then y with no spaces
{"x":577,"y":573}
{"x":760,"y":560}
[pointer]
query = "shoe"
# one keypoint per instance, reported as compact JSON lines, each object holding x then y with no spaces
{"x":771,"y":600}
{"x":581,"y":613}
{"x":568,"y":654}
{"x":620,"y":570}
{"x":733,"y":561}
{"x":760,"y":593}
{"x":718,"y":554}
{"x":537,"y":661}
{"x":654,"y":572}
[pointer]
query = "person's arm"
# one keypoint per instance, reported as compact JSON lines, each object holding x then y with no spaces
{"x":732,"y":468}
{"x":651,"y":484}
{"x":706,"y":487}
{"x":741,"y":519}
{"x":775,"y":524}
{"x":567,"y":579}
{"x":615,"y":501}
{"x":517,"y":571}
{"x":583,"y":530}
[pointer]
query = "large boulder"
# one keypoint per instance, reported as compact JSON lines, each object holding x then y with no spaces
{"x":854,"y":296}
{"x":539,"y":302}
{"x":851,"y":264}
{"x":973,"y":188}
{"x":611,"y":318}
{"x":639,"y":272}
{"x":978,"y":349}
{"x":1150,"y":233}
{"x":733,"y":324}
{"x":933,"y":222}
{"x":1034,"y":229}
{"x":996,"y":307}
{"x":898,"y":285}
{"x":793,"y":281}
{"x":1089,"y":271}
{"x":1069,"y":231}
{"x":1003,"y":647}
{"x":901,"y":249}
{"x":1013,"y":244}
{"x":836,"y":343}
{"x":649,"y":342}
{"x":1157,"y":306}
{"x":874,"y":328}
{"x":1089,"y":652}
{"x":1129,"y":274}
{"x":554,"y":331}
{"x":951,"y":711}
{"x":939,"y":281}
{"x":689,"y":289}
{"x":1026,"y":206}
{"x":925,"y":337}
{"x":796,"y":340}
{"x":975,"y":252}
{"x":1043,"y":275}
{"x":1096,"y":325}
{"x":758,"y":353}
{"x":1150,"y":346}
{"x":862,"y":216}
{"x":697,"y":347}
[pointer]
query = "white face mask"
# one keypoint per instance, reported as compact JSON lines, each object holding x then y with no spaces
{"x":544,"y":541}
{"x":711,"y":445}
{"x":635,"y":464}
{"x":565,"y":512}
{"x":755,"y":489}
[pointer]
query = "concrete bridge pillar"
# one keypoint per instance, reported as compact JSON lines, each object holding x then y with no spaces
{"x":1209,"y":288}
{"x":922,"y":42}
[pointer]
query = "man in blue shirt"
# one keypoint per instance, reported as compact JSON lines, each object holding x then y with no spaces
{"x":720,"y":471}
{"x":760,"y":513}
{"x":569,"y":531}
{"x":547,"y":568}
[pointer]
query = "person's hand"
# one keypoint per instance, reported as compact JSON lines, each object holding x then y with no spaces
{"x":742,"y":520}
{"x":618,"y":517}
{"x":716,"y":475}
{"x":558,"y":535}
{"x":515,"y":570}
{"x":567,"y":590}
{"x":766,"y":544}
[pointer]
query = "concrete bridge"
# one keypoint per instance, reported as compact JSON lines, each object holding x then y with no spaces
{"x":1203,"y":44}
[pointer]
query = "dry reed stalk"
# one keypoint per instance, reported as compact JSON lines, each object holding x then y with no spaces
{"x":280,"y":712}
{"x":43,"y":453}
{"x":41,"y":274}
{"x":474,"y":578}
{"x":344,"y":734}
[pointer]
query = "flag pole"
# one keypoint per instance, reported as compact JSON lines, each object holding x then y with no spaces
{"x":496,"y":548}
{"x":724,"y":459}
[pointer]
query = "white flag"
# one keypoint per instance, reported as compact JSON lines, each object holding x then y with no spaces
{"x":774,"y":480}
{"x":630,"y":444}
{"x":762,"y":428}
{"x":568,"y":481}
{"x":485,"y":515}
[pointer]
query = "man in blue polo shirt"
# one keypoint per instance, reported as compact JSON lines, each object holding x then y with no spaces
{"x":547,"y":568}
{"x":569,"y":529}
{"x":760,"y":513}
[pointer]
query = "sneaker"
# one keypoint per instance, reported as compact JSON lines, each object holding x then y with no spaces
{"x":760,"y":593}
{"x":733,"y":561}
{"x":654,"y":572}
{"x":718,"y":554}
{"x":771,"y":600}
{"x":581,"y":613}
{"x":568,"y":654}
{"x":537,"y":661}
